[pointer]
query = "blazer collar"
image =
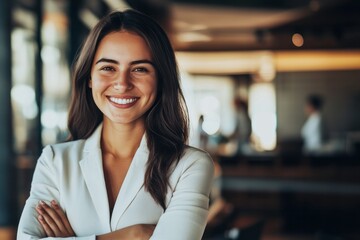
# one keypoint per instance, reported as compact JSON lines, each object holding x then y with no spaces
{"x":92,"y":170}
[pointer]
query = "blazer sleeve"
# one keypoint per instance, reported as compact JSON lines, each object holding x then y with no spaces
{"x":44,"y":186}
{"x":186,"y":214}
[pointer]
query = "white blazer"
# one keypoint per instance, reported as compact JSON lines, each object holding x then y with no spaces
{"x":72,"y":174}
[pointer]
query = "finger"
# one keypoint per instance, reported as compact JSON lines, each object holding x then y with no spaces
{"x":62,"y":216}
{"x":44,"y":210}
{"x":39,"y":210}
{"x":46,"y":227}
{"x":56,"y":219}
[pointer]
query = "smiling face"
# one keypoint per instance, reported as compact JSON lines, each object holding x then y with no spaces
{"x":123,"y":78}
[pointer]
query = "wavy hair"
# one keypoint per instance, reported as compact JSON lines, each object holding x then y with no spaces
{"x":166,"y":122}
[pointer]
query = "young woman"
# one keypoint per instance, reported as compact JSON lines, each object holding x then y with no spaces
{"x":127,"y":172}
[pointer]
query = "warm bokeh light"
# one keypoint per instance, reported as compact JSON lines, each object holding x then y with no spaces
{"x":240,"y":62}
{"x":266,"y":70}
{"x":297,"y":40}
{"x":24,"y":96}
{"x":320,"y":60}
{"x":262,"y":109}
{"x":193,"y":37}
{"x":210,"y":108}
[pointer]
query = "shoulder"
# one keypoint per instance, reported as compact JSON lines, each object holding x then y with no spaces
{"x":62,"y":151}
{"x":193,"y":157}
{"x":58,"y":159}
{"x":194,"y":172}
{"x":193,"y":152}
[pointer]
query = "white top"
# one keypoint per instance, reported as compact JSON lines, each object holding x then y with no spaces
{"x":72,"y":174}
{"x":312,"y":133}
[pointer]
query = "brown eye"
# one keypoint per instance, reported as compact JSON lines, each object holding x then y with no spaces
{"x":107,"y":68}
{"x":140,"y":69}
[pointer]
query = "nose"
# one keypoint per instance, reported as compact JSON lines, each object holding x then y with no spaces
{"x":122,"y":83}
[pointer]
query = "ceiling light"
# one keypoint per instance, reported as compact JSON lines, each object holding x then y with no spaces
{"x":185,"y":26}
{"x":193,"y":37}
{"x":298,"y":40}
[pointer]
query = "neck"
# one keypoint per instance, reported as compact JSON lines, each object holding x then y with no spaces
{"x":121,"y":140}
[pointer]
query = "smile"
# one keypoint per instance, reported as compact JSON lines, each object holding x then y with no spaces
{"x":123,"y":101}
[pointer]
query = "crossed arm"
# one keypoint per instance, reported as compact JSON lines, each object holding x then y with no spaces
{"x":55,"y":224}
{"x":185,"y":214}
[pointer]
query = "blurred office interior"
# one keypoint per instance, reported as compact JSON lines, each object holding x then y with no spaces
{"x":241,"y":61}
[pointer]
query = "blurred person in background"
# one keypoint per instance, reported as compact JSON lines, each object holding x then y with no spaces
{"x":313,"y":131}
{"x":127,"y":172}
{"x":243,"y":127}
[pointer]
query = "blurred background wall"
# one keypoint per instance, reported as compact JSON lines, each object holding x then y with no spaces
{"x":247,"y":68}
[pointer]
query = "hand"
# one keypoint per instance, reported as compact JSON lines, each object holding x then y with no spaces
{"x":53,"y":220}
{"x":135,"y":232}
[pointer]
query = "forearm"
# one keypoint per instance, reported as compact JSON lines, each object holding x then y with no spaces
{"x":135,"y":232}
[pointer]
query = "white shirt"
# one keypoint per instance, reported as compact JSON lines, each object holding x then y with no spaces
{"x":312,"y":133}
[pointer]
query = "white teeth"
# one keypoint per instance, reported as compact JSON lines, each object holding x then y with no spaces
{"x":122,"y":100}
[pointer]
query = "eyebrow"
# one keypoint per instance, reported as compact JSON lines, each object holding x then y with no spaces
{"x":108,"y":60}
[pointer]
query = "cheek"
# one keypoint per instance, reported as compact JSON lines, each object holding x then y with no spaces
{"x":97,"y":84}
{"x":153,"y":91}
{"x":153,"y":85}
{"x":147,"y":86}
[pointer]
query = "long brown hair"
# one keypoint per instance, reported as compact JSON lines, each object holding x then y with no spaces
{"x":166,"y":122}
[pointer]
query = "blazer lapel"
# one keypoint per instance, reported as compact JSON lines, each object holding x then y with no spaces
{"x":133,"y":182}
{"x":92,"y":170}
